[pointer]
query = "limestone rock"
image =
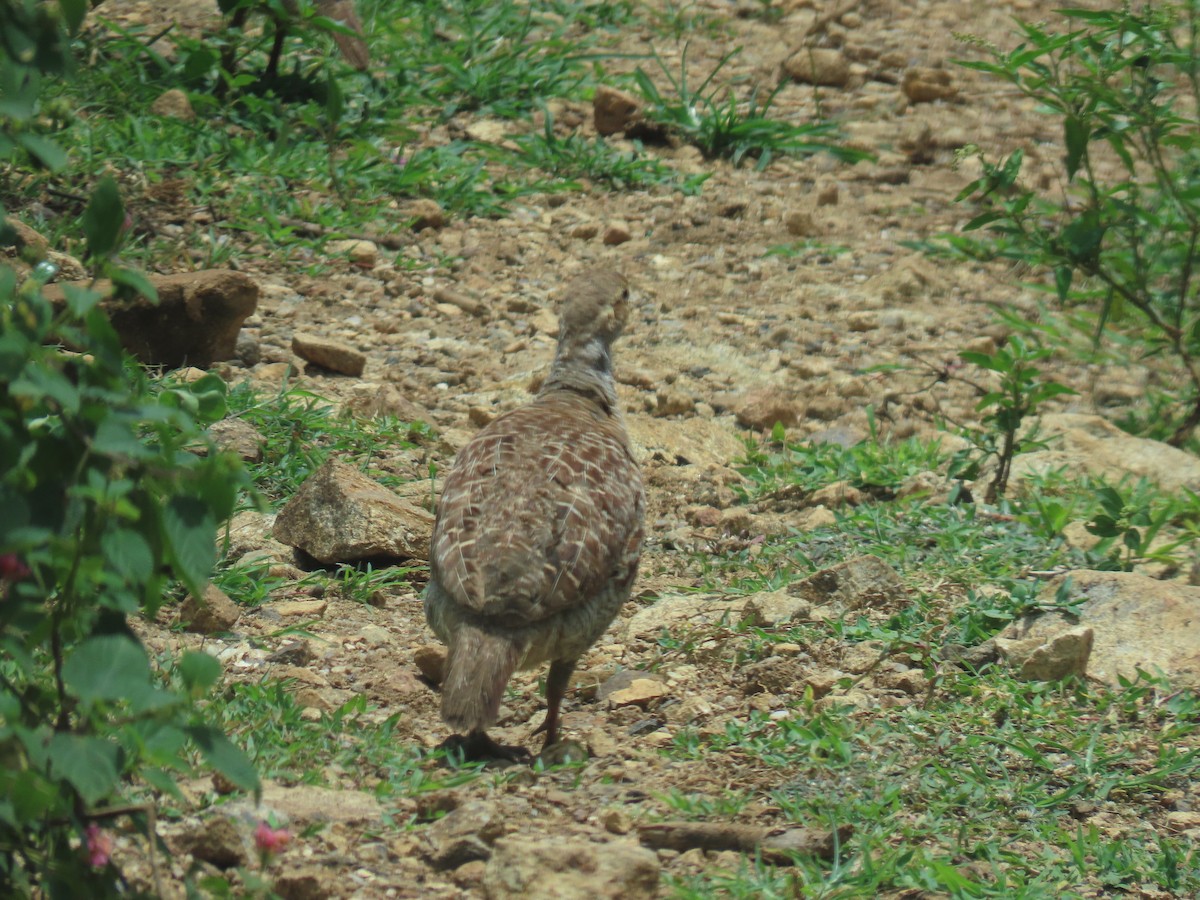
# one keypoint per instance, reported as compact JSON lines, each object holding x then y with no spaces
{"x":329,"y":354}
{"x":923,"y":85}
{"x":426,"y":213}
{"x":856,"y":583}
{"x":768,"y":609}
{"x":360,"y":252}
{"x":1138,"y":623}
{"x":341,"y":515}
{"x":173,"y":104}
{"x":614,"y":111}
{"x":216,"y":841}
{"x":560,"y":868}
{"x":818,"y":65}
{"x":240,"y":437}
{"x":1058,"y":656}
{"x":212,"y":614}
{"x":688,"y":442}
{"x":641,"y":692}
{"x":195,"y":322}
{"x":677,"y":613}
{"x":1085,"y":443}
{"x":464,"y":834}
{"x":761,"y":408}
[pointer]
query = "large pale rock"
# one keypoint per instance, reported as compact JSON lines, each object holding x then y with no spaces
{"x":683,"y":612}
{"x":690,"y":442}
{"x":464,"y":834}
{"x":1051,"y":659}
{"x":864,"y":581}
{"x":195,"y":322}
{"x":341,"y":515}
{"x":1083,"y":443}
{"x":1137,"y":623}
{"x":558,"y":868}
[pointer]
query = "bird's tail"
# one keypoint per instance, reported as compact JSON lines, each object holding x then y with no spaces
{"x":477,"y":671}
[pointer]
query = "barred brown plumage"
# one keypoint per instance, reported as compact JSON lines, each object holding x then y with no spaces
{"x":539,"y":527}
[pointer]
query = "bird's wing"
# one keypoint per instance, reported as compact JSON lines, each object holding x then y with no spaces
{"x":541,"y":511}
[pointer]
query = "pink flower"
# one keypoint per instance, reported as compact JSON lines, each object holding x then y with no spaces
{"x":12,"y":568}
{"x":99,"y":845}
{"x":270,"y":841}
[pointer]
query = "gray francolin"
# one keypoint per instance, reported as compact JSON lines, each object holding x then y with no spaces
{"x":539,"y":527}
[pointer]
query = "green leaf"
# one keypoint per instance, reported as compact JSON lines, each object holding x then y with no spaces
{"x":191,"y":537}
{"x":90,"y":764}
{"x":103,"y":219}
{"x":1062,"y":281}
{"x":135,"y":281}
{"x":198,"y":670}
{"x":44,"y":150}
{"x":225,"y":756}
{"x":129,"y":554}
{"x":74,"y":12}
{"x":109,"y":667}
{"x":80,"y":301}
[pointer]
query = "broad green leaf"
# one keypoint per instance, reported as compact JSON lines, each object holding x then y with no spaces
{"x":191,"y":537}
{"x":198,"y":670}
{"x":109,"y":667}
{"x":128,"y":553}
{"x":44,"y":150}
{"x":80,"y":301}
{"x":90,"y":764}
{"x":135,"y":281}
{"x":1062,"y":281}
{"x":225,"y":756}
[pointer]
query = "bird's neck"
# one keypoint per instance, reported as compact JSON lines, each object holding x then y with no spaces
{"x":584,"y":367}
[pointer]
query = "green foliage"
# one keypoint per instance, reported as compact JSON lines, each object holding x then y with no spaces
{"x":575,"y":156}
{"x":104,"y":505}
{"x":713,"y":118}
{"x":34,"y":44}
{"x":1121,"y":237}
{"x":303,"y":430}
{"x":1021,"y":391}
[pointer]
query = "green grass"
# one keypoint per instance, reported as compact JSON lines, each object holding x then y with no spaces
{"x":981,"y":786}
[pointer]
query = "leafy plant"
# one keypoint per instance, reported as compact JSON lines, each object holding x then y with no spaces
{"x":1122,"y":234}
{"x":1018,"y":395}
{"x":103,"y":506}
{"x":713,"y":118}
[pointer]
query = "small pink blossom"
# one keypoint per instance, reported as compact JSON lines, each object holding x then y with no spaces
{"x":12,"y":568}
{"x":270,"y":841}
{"x":99,"y":845}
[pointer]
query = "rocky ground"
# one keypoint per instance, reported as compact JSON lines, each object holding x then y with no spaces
{"x":728,"y":339}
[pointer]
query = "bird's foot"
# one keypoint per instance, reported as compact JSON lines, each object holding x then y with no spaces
{"x":478,"y":747}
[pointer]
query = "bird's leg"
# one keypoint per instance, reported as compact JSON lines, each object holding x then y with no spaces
{"x":556,"y":685}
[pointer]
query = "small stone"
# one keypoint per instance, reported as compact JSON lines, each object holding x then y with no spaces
{"x":819,"y":66}
{"x":309,"y":609}
{"x":376,"y":635}
{"x":762,"y":408}
{"x":800,"y":223}
{"x":827,"y":194}
{"x":554,"y":867}
{"x":544,"y":321}
{"x":617,"y":233}
{"x":213,"y":614}
{"x":862,"y":320}
{"x":431,"y":662}
{"x":329,"y":354}
{"x":1064,"y":654}
{"x":217,"y":842}
{"x":641,"y":693}
{"x":464,"y":834}
{"x":616,"y":821}
{"x":670,"y":401}
{"x":361,"y":253}
{"x":614,"y":111}
{"x":924,"y":85}
{"x":173,"y":104}
{"x":585,"y":231}
{"x":425,"y":213}
{"x":247,"y":350}
{"x":240,"y":437}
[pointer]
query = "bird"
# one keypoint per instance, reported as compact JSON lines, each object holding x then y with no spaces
{"x":539,"y":527}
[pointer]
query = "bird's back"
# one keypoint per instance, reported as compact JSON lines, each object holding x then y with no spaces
{"x":540,"y":518}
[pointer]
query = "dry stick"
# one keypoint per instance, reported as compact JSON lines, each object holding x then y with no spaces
{"x":776,"y":845}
